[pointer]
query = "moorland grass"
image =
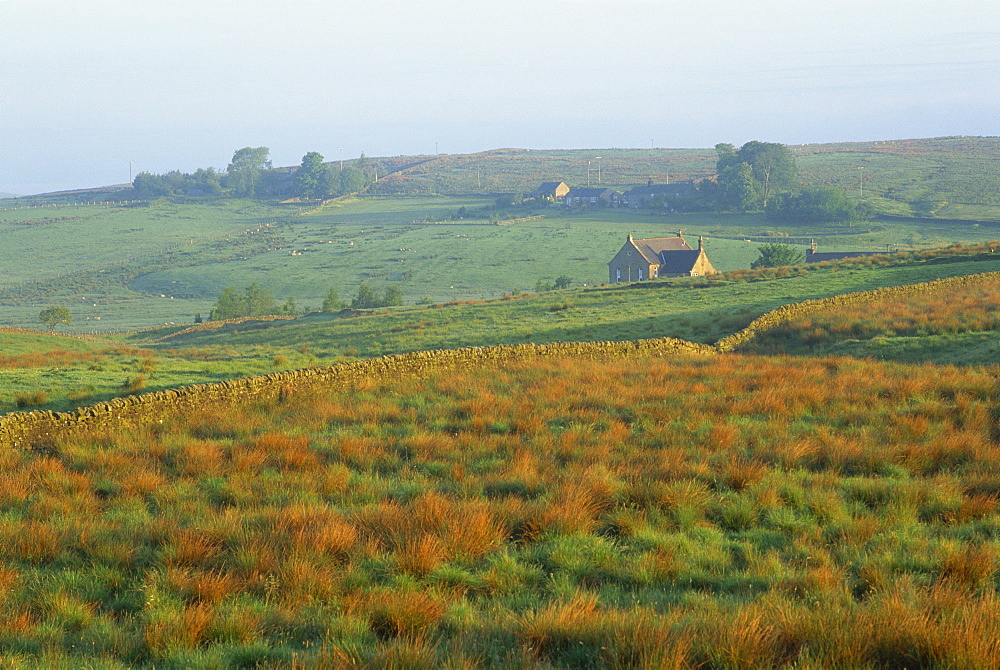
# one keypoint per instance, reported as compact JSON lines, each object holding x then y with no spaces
{"x":942,"y":322}
{"x":694,"y":309}
{"x":731,"y":511}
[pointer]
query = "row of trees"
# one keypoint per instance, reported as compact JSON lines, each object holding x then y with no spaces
{"x":203,"y":181}
{"x":256,"y":300}
{"x":250,"y":174}
{"x":316,"y":179}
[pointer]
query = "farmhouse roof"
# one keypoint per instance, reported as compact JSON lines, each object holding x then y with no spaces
{"x":678,"y":262}
{"x":550,"y":187}
{"x":652,"y":248}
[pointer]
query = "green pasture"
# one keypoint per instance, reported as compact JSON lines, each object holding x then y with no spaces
{"x":65,"y":372}
{"x":979,"y":348}
{"x":679,"y":308}
{"x":122,"y":269}
{"x":683,"y":308}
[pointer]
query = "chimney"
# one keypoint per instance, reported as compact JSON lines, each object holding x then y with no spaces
{"x":812,"y":247}
{"x":701,"y":242}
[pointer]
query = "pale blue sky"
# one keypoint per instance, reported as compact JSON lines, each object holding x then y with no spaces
{"x":88,"y":85}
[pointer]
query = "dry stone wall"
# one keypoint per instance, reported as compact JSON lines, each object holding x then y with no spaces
{"x":788,"y":312}
{"x":37,"y":429}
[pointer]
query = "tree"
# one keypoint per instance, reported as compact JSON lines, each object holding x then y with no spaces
{"x":245,"y":169}
{"x":392,"y":297}
{"x":776,"y":255}
{"x":738,"y":189}
{"x":366,"y":298}
{"x":332,"y":302}
{"x":259,"y":301}
{"x":352,"y":180}
{"x":562,"y":281}
{"x":228,"y":306}
{"x":750,"y":176}
{"x":53,"y":316}
{"x":817,"y":204}
{"x":147,"y":185}
{"x":773,"y":167}
{"x":314,"y":178}
{"x":290,"y":308}
{"x":254,"y":301}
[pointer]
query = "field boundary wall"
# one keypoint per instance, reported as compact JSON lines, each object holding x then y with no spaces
{"x":38,"y":429}
{"x":791,"y":311}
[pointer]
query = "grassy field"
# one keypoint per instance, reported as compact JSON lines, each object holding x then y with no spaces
{"x":693,"y":310}
{"x":121,"y":269}
{"x":938,"y":324}
{"x":712,"y":512}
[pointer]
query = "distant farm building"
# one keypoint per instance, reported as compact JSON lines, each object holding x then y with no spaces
{"x":813,"y":256}
{"x":659,"y":257}
{"x":652,"y":195}
{"x":551,"y":190}
{"x":593,"y":197}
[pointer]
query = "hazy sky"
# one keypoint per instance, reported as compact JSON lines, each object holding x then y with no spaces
{"x":88,"y":85}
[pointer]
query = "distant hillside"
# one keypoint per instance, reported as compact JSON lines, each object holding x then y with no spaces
{"x":947,"y":177}
{"x":944,"y":177}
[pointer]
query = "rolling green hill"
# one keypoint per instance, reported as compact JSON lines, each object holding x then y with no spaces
{"x":694,"y":310}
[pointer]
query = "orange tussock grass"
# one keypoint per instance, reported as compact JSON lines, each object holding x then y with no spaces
{"x":173,"y":629}
{"x":286,"y":451}
{"x":574,"y":509}
{"x":192,"y":548}
{"x":208,"y":586}
{"x":405,"y":614}
{"x":552,"y":629}
{"x":970,"y":567}
{"x":432,"y":529}
{"x":315,"y":528}
{"x":196,"y":458}
{"x":360,"y":452}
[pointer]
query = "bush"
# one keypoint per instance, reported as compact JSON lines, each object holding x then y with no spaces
{"x":31,"y":398}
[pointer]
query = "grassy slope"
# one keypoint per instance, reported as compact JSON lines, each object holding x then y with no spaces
{"x":951,"y":177}
{"x":678,"y":308}
{"x":935,"y":324}
{"x":465,"y":260}
{"x":724,"y":512}
{"x":670,"y":308}
{"x":112,"y":265}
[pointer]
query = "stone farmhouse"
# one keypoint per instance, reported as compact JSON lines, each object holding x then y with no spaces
{"x":655,"y":257}
{"x":551,"y":190}
{"x":593,"y":197}
{"x":648,"y":196}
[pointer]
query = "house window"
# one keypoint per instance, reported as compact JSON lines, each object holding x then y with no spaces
{"x":618,"y":275}
{"x":640,"y":274}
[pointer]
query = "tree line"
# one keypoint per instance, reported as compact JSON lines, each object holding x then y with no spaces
{"x":250,"y":174}
{"x":256,"y":300}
